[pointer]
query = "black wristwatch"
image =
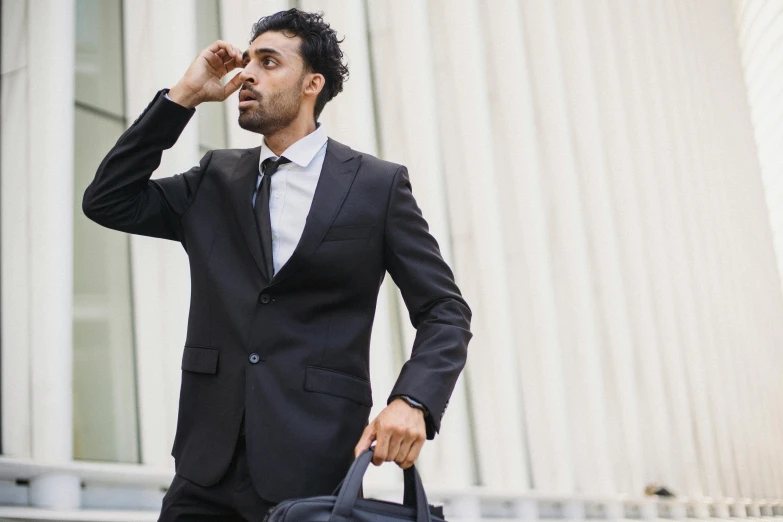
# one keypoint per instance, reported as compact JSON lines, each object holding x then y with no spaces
{"x":413,"y":402}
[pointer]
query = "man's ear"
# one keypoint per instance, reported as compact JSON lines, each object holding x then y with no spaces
{"x":314,"y":82}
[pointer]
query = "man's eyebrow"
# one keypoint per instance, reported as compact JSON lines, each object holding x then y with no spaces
{"x":263,"y":50}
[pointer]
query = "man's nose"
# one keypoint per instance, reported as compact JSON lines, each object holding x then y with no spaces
{"x":246,"y":75}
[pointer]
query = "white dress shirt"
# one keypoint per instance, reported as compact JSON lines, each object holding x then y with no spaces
{"x":291,"y":191}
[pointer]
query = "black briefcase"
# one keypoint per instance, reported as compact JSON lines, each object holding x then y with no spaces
{"x":345,"y":505}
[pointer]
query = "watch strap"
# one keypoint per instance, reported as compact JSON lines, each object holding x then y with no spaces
{"x":413,"y":402}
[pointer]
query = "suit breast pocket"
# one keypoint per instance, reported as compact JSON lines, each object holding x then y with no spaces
{"x":346,"y":232}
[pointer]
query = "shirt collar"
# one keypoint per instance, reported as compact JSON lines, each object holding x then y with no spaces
{"x":300,"y":152}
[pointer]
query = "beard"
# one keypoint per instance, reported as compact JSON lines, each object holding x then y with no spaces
{"x":272,"y":113}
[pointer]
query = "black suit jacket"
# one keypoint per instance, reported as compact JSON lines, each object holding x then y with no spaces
{"x":290,"y":352}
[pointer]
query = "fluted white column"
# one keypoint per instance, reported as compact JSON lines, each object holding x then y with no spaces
{"x":51,"y":119}
{"x":627,"y":417}
{"x":753,"y":228}
{"x":525,"y":232}
{"x":15,"y":237}
{"x":466,"y":141}
{"x":760,"y":29}
{"x":660,"y":183}
{"x":161,"y":275}
{"x":720,"y":480}
{"x":678,"y":96}
{"x":578,"y":335}
{"x":408,"y":124}
{"x":722,"y":300}
{"x":634,"y":217}
{"x":584,"y":59}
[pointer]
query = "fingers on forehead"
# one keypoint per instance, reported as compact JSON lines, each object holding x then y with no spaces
{"x":218,"y":44}
{"x":225,"y":47}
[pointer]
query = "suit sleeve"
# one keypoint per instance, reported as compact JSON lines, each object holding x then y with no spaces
{"x":435,"y":305}
{"x":123,"y":197}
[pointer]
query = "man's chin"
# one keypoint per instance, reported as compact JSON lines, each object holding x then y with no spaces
{"x":246,"y":122}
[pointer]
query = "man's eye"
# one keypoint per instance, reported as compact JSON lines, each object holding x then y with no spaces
{"x":268,"y":60}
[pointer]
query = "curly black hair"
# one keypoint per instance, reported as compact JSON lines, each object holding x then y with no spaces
{"x":320,"y":48}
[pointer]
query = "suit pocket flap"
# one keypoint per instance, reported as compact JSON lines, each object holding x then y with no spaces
{"x":341,"y":384}
{"x":348,"y":232}
{"x":200,"y":359}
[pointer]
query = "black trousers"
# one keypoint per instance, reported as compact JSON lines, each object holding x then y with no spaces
{"x":233,"y":499}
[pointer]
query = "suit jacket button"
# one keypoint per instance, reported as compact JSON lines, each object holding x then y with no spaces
{"x":265,"y":298}
{"x":254,"y":358}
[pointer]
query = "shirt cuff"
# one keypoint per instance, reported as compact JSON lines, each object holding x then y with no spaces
{"x":166,"y":95}
{"x":423,"y":407}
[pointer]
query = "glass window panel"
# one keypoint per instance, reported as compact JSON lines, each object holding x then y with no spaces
{"x":98,"y":76}
{"x":105,"y":408}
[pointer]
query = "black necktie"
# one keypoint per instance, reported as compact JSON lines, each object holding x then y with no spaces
{"x":269,"y":167}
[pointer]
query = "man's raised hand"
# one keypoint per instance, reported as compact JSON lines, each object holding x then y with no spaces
{"x":201,"y":82}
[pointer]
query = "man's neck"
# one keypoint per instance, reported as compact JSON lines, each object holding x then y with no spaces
{"x":284,"y":138}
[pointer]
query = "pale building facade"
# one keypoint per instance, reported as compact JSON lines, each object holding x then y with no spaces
{"x":594,"y":172}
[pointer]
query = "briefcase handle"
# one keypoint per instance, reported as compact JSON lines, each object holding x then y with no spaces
{"x":349,"y":492}
{"x":409,"y":498}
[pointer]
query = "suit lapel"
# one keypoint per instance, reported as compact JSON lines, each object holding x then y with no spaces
{"x":340,"y":166}
{"x":243,"y":183}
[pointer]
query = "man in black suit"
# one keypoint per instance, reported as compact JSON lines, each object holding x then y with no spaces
{"x":275,"y":395}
